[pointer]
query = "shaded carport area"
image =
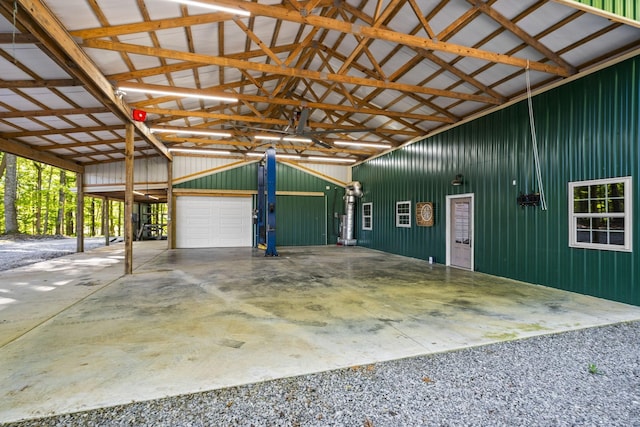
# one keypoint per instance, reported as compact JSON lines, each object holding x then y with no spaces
{"x":76,"y":334}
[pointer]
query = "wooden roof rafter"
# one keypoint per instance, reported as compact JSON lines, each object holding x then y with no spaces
{"x":54,"y":41}
{"x":402,"y":68}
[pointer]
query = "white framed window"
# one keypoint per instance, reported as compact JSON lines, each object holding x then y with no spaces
{"x":403,"y":214}
{"x":600,"y":215}
{"x":367,"y":216}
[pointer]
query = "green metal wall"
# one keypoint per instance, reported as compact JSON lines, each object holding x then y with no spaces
{"x":627,"y":8}
{"x":303,"y":218}
{"x":290,"y":231}
{"x":587,"y":129}
{"x":240,"y":178}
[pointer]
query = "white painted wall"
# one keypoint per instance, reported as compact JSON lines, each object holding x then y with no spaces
{"x":152,"y":171}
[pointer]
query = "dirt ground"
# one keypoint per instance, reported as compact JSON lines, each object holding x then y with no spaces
{"x":20,"y":250}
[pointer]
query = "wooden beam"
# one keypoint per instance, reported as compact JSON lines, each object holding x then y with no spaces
{"x":55,"y":38}
{"x":85,"y":144}
{"x":12,"y":38}
{"x":279,"y":12}
{"x":363,"y":41}
{"x":527,"y":38}
{"x":283,"y":145}
{"x":298,"y":103}
{"x":253,"y":37}
{"x":251,"y":119}
{"x":64,"y":131}
{"x":79,"y":212}
{"x":52,"y":113}
{"x":22,"y":84}
{"x":171,"y":240}
{"x":148,"y":26}
{"x":428,"y":54}
{"x":164,"y":24}
{"x":421,"y":18}
{"x":128,"y":201}
{"x":28,"y":152}
{"x":290,"y":72}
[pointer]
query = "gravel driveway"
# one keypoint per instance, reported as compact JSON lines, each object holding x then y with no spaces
{"x":18,"y":251}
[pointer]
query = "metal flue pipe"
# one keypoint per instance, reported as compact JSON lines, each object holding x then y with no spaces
{"x":353,"y":190}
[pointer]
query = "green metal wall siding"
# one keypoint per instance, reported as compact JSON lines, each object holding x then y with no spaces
{"x":627,"y":8}
{"x":303,"y":218}
{"x":288,"y":179}
{"x":587,"y":129}
{"x":239,"y":178}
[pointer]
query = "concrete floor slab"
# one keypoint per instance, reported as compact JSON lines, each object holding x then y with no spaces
{"x":76,"y":334}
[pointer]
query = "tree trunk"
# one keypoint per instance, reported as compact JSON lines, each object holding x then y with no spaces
{"x":47,"y":200}
{"x":69,"y":221}
{"x":10,"y":194}
{"x":62,"y":196}
{"x":69,"y":225}
{"x":120,"y":219}
{"x":3,"y":165}
{"x":112,"y":227}
{"x":38,"y":167}
{"x":93,"y":217}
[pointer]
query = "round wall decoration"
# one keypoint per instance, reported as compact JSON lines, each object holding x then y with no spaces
{"x":424,"y":214}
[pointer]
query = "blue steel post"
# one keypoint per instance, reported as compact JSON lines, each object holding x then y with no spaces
{"x":259,"y":217}
{"x":271,"y":202}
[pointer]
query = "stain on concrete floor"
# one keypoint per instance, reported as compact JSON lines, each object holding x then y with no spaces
{"x":192,"y":320}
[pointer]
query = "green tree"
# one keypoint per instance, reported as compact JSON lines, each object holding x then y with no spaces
{"x":10,"y":194}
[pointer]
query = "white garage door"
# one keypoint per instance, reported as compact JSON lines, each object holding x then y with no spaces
{"x":213,"y":222}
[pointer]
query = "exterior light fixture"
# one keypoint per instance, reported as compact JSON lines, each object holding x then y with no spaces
{"x":283,"y":138}
{"x":296,"y":139}
{"x":362,"y":144}
{"x":178,"y":93}
{"x":191,"y":131}
{"x":198,"y":151}
{"x":278,"y":156}
{"x":268,"y":137}
{"x":213,"y":7}
{"x":332,"y":159}
{"x":458,"y":180}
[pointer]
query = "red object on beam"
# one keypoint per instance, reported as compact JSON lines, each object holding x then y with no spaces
{"x":139,"y":115}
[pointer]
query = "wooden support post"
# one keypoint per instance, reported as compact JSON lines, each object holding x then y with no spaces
{"x":128,"y":200}
{"x":80,"y":212}
{"x":105,"y":220}
{"x":171,"y":241}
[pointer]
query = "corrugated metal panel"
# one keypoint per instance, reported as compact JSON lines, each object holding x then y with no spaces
{"x":288,"y":179}
{"x":338,"y":173}
{"x":587,"y":129}
{"x":243,"y":177}
{"x":145,"y":170}
{"x":300,"y":220}
{"x":627,"y":8}
{"x":187,"y":166}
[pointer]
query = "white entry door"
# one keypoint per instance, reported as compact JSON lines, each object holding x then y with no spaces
{"x":213,"y":222}
{"x":460,"y":239}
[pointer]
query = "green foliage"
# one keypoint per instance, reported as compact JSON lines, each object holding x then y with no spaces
{"x":38,"y":198}
{"x":593,"y":369}
{"x":38,"y":203}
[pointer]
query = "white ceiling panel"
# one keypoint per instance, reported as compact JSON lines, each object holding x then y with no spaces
{"x":80,"y":97}
{"x":10,"y":71}
{"x":124,"y":39}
